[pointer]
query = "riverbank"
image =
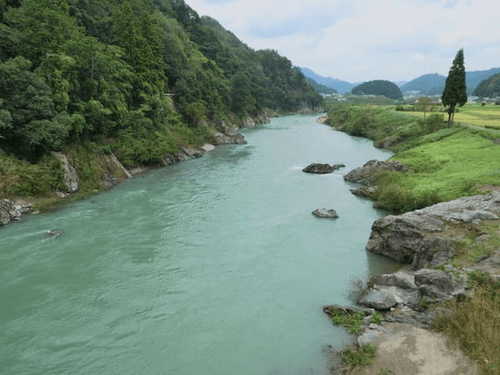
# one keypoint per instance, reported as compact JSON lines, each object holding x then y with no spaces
{"x":451,"y":283}
{"x":80,"y":171}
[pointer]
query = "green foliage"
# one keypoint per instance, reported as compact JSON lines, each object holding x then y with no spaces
{"x":445,"y":163}
{"x":455,"y":90}
{"x":141,"y":76}
{"x":473,"y":324}
{"x":376,"y":318}
{"x":379,"y":87}
{"x":359,"y":357}
{"x":352,"y":322}
{"x":489,"y":88}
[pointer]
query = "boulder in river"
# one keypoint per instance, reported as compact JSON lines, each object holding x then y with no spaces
{"x":325,"y":213}
{"x":318,"y":168}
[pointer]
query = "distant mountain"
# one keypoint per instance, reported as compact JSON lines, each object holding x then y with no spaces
{"x":428,"y":84}
{"x":333,"y":83}
{"x":321,"y":89}
{"x":489,"y":88}
{"x":433,"y":84}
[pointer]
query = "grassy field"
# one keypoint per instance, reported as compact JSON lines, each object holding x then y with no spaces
{"x":473,"y":114}
{"x":445,"y":163}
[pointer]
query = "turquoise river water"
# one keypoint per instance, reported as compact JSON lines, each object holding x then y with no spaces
{"x":214,"y":266}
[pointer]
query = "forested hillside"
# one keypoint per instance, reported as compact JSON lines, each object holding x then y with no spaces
{"x":489,"y":88}
{"x":137,"y":77}
{"x":379,"y":87}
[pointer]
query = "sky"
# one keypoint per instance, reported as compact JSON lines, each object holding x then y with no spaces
{"x":360,"y":40}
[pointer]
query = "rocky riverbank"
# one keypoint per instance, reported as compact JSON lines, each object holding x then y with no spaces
{"x":113,"y":171}
{"x":441,"y":247}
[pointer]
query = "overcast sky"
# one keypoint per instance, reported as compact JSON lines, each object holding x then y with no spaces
{"x":360,"y":40}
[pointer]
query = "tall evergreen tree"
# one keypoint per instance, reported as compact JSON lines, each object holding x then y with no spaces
{"x":455,"y":91}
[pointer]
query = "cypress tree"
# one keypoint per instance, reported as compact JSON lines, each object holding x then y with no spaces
{"x":455,"y":91}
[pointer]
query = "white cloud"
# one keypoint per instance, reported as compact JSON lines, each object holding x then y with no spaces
{"x":365,"y":39}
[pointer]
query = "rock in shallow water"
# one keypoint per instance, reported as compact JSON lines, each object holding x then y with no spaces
{"x":318,"y":168}
{"x":325,"y":213}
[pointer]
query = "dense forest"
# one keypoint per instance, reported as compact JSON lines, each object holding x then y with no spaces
{"x":489,"y":88}
{"x":379,"y":87}
{"x":139,"y":77}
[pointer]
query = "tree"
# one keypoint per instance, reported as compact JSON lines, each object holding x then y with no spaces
{"x":424,"y":104}
{"x":455,"y":91}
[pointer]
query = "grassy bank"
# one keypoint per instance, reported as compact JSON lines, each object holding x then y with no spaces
{"x":445,"y":162}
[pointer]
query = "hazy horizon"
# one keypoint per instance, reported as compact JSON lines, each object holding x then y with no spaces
{"x":360,"y":40}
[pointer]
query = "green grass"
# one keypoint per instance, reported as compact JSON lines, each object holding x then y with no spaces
{"x":359,"y":357}
{"x":474,"y":324}
{"x":353,"y":323}
{"x":445,"y":163}
{"x":473,"y":114}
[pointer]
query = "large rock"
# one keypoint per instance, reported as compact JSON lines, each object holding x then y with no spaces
{"x":225,"y":139}
{"x":70,"y":179}
{"x":428,"y":237}
{"x":13,"y":210}
{"x":378,"y":299}
{"x":401,"y":279}
{"x":367,"y":174}
{"x":318,"y":168}
{"x":325,"y":213}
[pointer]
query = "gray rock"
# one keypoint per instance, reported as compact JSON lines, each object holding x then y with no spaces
{"x":365,"y":191}
{"x":318,"y":168}
{"x":403,"y":280}
{"x":367,"y":173}
{"x":325,"y":213}
{"x":208,"y":147}
{"x":224,"y":139}
{"x":426,"y":237}
{"x":13,"y":210}
{"x":378,"y":299}
{"x":192,"y":153}
{"x":71,"y":180}
{"x":370,"y":335}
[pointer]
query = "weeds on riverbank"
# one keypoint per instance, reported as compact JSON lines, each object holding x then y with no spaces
{"x":359,"y":357}
{"x":474,"y":324}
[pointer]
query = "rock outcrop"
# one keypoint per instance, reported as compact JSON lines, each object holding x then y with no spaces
{"x":408,"y":288}
{"x":367,"y":174}
{"x":70,"y":179}
{"x":13,"y":210}
{"x":428,"y":237}
{"x":325,"y":213}
{"x":318,"y":168}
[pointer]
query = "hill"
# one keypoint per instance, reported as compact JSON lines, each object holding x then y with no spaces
{"x":489,"y":88}
{"x":433,"y":84}
{"x":378,"y":87}
{"x":136,"y":79}
{"x":131,"y":71}
{"x":428,"y":84}
{"x":322,"y":89}
{"x":340,"y":86}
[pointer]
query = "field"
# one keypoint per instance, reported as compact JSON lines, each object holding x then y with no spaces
{"x":445,"y":162}
{"x":474,"y":114}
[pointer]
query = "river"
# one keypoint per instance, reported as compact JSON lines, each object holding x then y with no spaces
{"x":214,"y":266}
